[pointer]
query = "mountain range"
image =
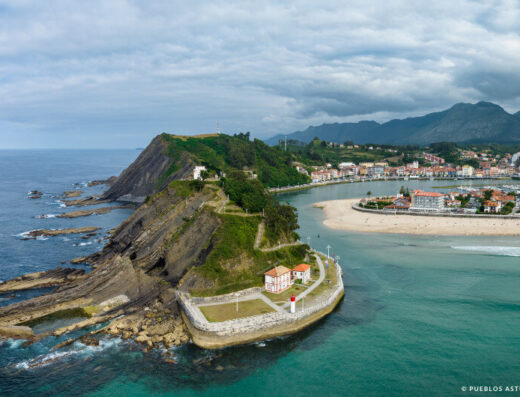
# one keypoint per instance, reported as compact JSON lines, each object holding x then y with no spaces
{"x":483,"y":122}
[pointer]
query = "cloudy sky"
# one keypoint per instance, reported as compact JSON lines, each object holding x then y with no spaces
{"x":115,"y":73}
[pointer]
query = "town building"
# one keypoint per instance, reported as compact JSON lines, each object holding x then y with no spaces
{"x":433,"y":159}
{"x":302,"y":272}
{"x":427,"y":201}
{"x":277,"y":279}
{"x":197,"y":171}
{"x":492,"y":207}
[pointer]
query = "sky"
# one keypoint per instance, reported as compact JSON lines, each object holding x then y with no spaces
{"x":113,"y":74}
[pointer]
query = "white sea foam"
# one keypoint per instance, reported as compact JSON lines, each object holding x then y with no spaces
{"x":24,"y":234}
{"x":45,"y":216}
{"x":83,"y":244}
{"x":491,"y":250}
{"x":79,"y":349}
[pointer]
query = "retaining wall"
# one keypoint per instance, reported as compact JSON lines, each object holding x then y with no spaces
{"x":439,"y":214}
{"x":214,"y":335}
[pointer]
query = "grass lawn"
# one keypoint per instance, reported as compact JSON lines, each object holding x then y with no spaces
{"x":227,"y":311}
{"x":329,"y":282}
{"x":286,"y":295}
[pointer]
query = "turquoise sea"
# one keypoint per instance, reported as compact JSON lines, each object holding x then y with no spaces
{"x":422,"y":315}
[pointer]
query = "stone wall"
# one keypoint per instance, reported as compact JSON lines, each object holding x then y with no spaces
{"x":440,"y":214}
{"x":254,"y":324}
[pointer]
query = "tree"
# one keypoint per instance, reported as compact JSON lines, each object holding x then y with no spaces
{"x":488,"y":194}
{"x":369,"y":193}
{"x":204,"y":175}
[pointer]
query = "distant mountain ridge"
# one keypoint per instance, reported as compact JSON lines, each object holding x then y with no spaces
{"x":483,"y":122}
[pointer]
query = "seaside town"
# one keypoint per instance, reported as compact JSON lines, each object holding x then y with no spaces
{"x":438,"y":168}
{"x":487,"y":200}
{"x":398,"y":162}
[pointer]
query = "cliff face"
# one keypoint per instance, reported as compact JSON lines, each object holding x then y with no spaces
{"x":166,"y":235}
{"x":145,"y":176}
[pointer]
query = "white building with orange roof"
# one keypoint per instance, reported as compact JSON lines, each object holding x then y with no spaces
{"x":427,"y":201}
{"x":277,"y":279}
{"x":302,"y":272}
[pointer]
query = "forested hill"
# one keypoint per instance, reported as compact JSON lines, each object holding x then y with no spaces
{"x":224,"y":153}
{"x":173,"y":157}
{"x":482,"y":122}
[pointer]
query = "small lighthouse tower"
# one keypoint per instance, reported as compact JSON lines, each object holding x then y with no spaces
{"x":293,"y":304}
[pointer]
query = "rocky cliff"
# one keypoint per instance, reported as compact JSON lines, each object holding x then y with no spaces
{"x":150,"y":173}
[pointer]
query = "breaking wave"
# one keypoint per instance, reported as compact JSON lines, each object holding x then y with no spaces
{"x":491,"y":250}
{"x":45,"y":216}
{"x":79,"y":349}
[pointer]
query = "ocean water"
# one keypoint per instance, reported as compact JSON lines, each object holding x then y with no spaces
{"x":422,"y":315}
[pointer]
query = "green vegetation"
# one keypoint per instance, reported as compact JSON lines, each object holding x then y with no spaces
{"x":488,"y":194}
{"x":281,"y":221}
{"x":379,"y":204}
{"x":508,"y":208}
{"x":234,"y":264}
{"x":464,"y":199}
{"x":223,"y":153}
{"x":318,"y":152}
{"x":228,"y":311}
{"x":78,"y":312}
{"x":247,"y":193}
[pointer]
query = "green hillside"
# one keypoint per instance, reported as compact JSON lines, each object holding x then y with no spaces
{"x":224,"y":153}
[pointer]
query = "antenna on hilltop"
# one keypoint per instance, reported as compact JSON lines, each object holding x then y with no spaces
{"x":286,"y":143}
{"x":218,"y":128}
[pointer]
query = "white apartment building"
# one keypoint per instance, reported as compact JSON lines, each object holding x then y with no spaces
{"x":427,"y":201}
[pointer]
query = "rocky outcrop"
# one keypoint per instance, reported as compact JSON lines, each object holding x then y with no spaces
{"x":56,"y":232}
{"x":13,"y":331}
{"x":109,"y":182}
{"x":96,"y":211}
{"x":90,"y":200}
{"x":49,"y":278}
{"x":143,"y":260}
{"x":72,"y":193}
{"x":147,"y":174}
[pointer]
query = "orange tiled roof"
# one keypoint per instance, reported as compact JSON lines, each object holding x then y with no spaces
{"x":427,"y":194}
{"x":277,"y":271}
{"x":301,"y":268}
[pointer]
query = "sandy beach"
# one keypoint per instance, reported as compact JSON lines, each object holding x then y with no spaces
{"x":341,"y":216}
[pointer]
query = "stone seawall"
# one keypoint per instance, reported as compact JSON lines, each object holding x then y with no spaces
{"x":438,"y":214}
{"x":232,"y":332}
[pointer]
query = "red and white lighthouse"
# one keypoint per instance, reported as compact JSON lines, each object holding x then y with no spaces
{"x":293,"y":303}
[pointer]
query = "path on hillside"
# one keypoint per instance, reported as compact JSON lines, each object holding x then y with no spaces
{"x":313,"y":286}
{"x":260,"y":234}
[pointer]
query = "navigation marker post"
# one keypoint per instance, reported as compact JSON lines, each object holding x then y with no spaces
{"x":328,"y":249}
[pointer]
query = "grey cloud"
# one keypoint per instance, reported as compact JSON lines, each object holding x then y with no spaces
{"x":101,"y":69}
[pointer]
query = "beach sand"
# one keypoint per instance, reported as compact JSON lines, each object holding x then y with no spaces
{"x":341,"y":216}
